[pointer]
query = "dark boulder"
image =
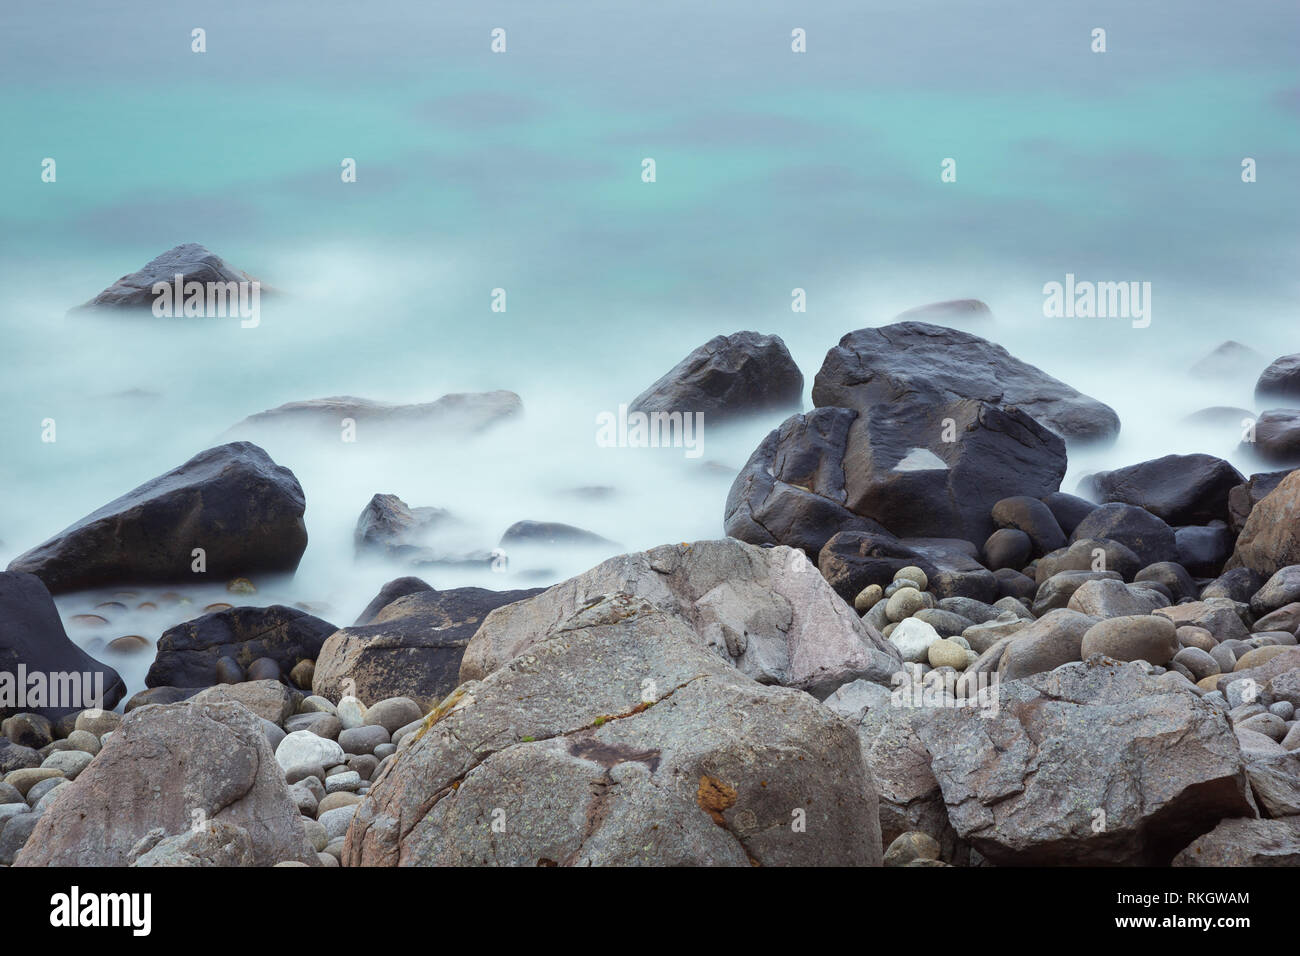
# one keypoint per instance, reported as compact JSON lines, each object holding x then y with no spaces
{"x":390,"y":592}
{"x":1281,"y":380}
{"x":729,"y":376}
{"x":852,"y":560}
{"x":958,"y":572}
{"x":1202,"y":549}
{"x":1068,"y":509}
{"x":412,"y":648}
{"x":907,"y":361}
{"x":1173,"y":576}
{"x":1088,"y":554}
{"x":188,"y":653}
{"x":1007,"y":548}
{"x":233,"y":501}
{"x":1277,"y":437}
{"x":1034,"y":518}
{"x":32,"y":635}
{"x":1230,"y":361}
{"x":550,"y":534}
{"x":389,"y":526}
{"x":1238,"y":585}
{"x":936,"y":470}
{"x":451,"y":416}
{"x":791,"y":491}
{"x":1179,"y":489}
{"x":1146,"y":535}
{"x":1243,"y":498}
{"x":191,"y":261}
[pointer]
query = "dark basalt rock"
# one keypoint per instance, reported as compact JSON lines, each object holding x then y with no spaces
{"x":851,"y":560}
{"x":233,"y":501}
{"x":411,"y":648}
{"x":1150,"y":538}
{"x":728,"y":377}
{"x":1281,"y":380}
{"x":188,"y":653}
{"x":1178,"y":489}
{"x":191,"y":261}
{"x":31,"y":634}
{"x":390,"y":592}
{"x":907,"y":361}
{"x":550,"y":534}
{"x":791,"y":491}
{"x":1277,"y":437}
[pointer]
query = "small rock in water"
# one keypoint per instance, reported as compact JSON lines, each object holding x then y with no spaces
{"x":241,"y":586}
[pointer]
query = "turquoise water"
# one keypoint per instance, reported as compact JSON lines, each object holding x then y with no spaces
{"x":522,"y":171}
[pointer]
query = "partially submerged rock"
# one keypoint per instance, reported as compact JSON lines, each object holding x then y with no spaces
{"x":728,"y":377}
{"x":242,"y":509}
{"x":908,"y":361}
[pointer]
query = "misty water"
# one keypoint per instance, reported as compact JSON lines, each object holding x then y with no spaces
{"x":522,"y":171}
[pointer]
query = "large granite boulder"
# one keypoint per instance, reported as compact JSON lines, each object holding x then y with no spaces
{"x":188,"y":653}
{"x":642,"y":746}
{"x":1178,"y":489}
{"x":33,"y":644}
{"x":767,"y":610}
{"x":1243,"y":841}
{"x":728,"y":377}
{"x":907,"y":361}
{"x":1270,"y":538}
{"x":172,"y":767}
{"x":411,"y":648}
{"x":191,"y":261}
{"x":232,"y":501}
{"x":1095,"y":763}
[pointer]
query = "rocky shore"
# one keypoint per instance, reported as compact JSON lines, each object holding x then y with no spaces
{"x":911,"y":648}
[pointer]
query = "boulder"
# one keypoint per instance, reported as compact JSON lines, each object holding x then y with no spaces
{"x":653,"y":750}
{"x":764,"y":609}
{"x":1230,"y":361}
{"x":957,"y":571}
{"x":550,"y":534}
{"x":233,"y":501}
{"x":268,"y":699}
{"x":911,"y":361}
{"x":451,"y":416}
{"x":1056,"y":591}
{"x":1281,"y":380}
{"x":389,"y":527}
{"x":853,"y":560}
{"x":1243,"y":498}
{"x":144,"y":779}
{"x":1084,"y":743}
{"x":1270,"y":538}
{"x":1137,"y":637}
{"x":728,"y":377}
{"x":33,"y":644}
{"x":1106,"y":598}
{"x":390,"y":592}
{"x":1281,"y":588}
{"x":1236,"y":585}
{"x":1034,"y":518}
{"x":188,"y":653}
{"x":1007,"y":548}
{"x":412,"y":648}
{"x":1179,"y":489}
{"x":937,"y":470}
{"x":216,"y":843}
{"x":1045,"y":644}
{"x":191,"y":261}
{"x":1243,"y":841}
{"x":1068,"y":510}
{"x":1089,"y":554}
{"x":1146,"y":535}
{"x":1203,"y":549}
{"x":791,"y":491}
{"x":1276,"y":437}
